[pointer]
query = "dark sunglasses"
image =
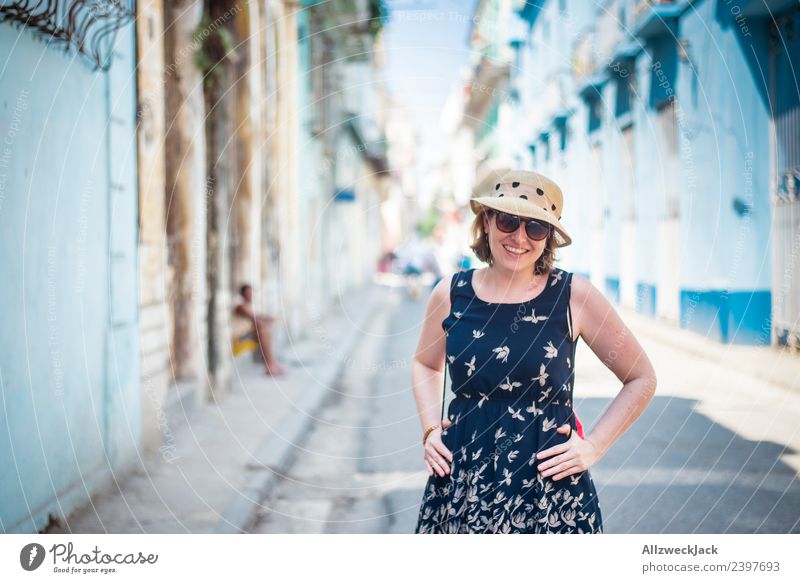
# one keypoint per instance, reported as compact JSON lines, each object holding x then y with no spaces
{"x":534,"y":229}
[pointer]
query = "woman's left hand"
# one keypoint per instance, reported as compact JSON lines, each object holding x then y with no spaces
{"x":571,"y":457}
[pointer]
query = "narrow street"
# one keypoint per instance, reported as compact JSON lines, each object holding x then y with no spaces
{"x":716,"y":450}
{"x":361,"y":470}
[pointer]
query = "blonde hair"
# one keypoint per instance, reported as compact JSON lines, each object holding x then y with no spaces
{"x":480,"y":245}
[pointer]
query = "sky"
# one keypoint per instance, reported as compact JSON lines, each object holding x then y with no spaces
{"x":426,"y":44}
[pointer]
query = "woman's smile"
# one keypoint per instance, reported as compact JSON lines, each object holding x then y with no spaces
{"x":514,"y":250}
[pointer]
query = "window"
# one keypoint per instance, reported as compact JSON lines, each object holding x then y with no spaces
{"x":561,"y":128}
{"x":595,"y":113}
{"x":624,"y":92}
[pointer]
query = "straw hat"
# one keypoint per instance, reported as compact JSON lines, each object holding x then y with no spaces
{"x":527,"y":194}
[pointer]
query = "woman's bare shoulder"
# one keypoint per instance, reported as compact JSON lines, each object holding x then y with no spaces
{"x":580,"y":300}
{"x":440,"y":295}
{"x":581,"y":287}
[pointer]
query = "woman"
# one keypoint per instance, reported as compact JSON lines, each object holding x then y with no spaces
{"x":506,"y":458}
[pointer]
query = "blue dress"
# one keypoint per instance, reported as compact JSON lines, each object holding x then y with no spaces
{"x":512,"y":371}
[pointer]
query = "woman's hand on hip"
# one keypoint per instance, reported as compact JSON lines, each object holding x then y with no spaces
{"x":437,"y":457}
{"x":571,"y":457}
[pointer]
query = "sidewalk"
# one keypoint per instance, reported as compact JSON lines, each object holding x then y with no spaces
{"x":229,"y":454}
{"x":775,"y":366}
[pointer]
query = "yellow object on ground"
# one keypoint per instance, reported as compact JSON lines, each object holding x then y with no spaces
{"x":244,"y":345}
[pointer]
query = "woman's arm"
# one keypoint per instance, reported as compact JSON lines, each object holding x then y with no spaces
{"x":598,"y":323}
{"x":427,"y":369}
{"x":427,"y":366}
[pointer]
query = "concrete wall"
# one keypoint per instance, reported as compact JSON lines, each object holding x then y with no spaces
{"x":155,"y":319}
{"x":69,"y":368}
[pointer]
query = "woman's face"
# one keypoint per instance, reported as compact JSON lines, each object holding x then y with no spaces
{"x":512,"y":251}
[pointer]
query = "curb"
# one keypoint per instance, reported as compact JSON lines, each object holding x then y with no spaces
{"x":272,"y":458}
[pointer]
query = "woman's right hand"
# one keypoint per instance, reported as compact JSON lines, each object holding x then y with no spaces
{"x":437,"y":457}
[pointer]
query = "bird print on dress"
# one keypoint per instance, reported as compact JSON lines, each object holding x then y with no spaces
{"x":533,"y":409}
{"x":543,"y":376}
{"x":533,"y":318}
{"x":502,"y":352}
{"x":470,"y":366}
{"x":548,"y":424}
{"x":516,"y":414}
{"x":509,"y":385}
{"x":501,"y":420}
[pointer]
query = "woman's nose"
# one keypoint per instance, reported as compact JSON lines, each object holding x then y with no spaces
{"x":519,"y":234}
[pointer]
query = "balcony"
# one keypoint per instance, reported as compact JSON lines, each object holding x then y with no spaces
{"x":656,"y":18}
{"x":766,"y":7}
{"x":625,"y":51}
{"x":591,"y":85}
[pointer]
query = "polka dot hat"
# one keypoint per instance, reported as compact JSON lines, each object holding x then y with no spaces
{"x":527,"y":194}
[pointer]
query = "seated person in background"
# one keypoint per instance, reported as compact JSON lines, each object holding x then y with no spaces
{"x":249,"y":325}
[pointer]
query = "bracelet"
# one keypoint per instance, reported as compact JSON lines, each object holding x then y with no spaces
{"x":428,"y":432}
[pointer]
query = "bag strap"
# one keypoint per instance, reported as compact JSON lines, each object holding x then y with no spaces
{"x":572,"y":344}
{"x":444,"y":387}
{"x":453,"y":279}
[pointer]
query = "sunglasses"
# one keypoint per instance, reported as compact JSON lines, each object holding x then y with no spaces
{"x":535,"y":230}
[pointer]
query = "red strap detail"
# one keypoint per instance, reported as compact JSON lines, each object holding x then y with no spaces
{"x":579,"y":427}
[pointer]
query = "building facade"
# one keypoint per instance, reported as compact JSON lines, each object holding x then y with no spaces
{"x":673,"y":128}
{"x":196,"y":146}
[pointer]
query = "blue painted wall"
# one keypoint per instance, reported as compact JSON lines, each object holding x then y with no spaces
{"x":726,"y":208}
{"x":68,"y":340}
{"x":648,"y":173}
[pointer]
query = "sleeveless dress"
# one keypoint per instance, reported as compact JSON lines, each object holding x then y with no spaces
{"x":512,"y":371}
